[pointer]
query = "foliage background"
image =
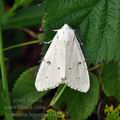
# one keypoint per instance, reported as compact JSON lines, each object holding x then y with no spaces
{"x":25,"y":24}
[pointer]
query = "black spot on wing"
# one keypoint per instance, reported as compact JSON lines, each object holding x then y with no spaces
{"x":79,"y":63}
{"x":48,"y":62}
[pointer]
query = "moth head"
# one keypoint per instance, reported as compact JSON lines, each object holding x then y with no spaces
{"x":66,"y":34}
{"x":65,"y":26}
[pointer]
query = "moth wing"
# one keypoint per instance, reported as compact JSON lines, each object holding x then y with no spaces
{"x":48,"y":75}
{"x":76,"y":69}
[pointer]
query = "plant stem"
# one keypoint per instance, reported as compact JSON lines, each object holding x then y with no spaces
{"x":21,"y":45}
{"x":95,"y":67}
{"x":8,"y":113}
{"x":57,"y":96}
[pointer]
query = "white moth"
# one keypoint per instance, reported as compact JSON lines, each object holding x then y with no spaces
{"x":63,"y":63}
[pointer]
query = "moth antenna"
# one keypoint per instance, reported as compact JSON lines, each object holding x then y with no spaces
{"x":56,"y":30}
{"x":47,"y":42}
{"x":81,"y":43}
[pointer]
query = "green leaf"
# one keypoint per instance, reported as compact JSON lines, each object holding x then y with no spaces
{"x":1,"y":7}
{"x":54,"y":115}
{"x":1,"y":100}
{"x":112,"y":113}
{"x":113,"y":116}
{"x":111,"y":79}
{"x":72,"y":12}
{"x":102,"y":38}
{"x":1,"y":10}
{"x":24,"y":93}
{"x":80,"y":105}
{"x":99,"y":22}
{"x":31,"y":15}
{"x":22,"y":2}
{"x":2,"y":110}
